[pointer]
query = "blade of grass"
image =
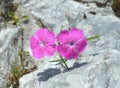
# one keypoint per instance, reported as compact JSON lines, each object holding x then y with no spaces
{"x":25,"y":17}
{"x":56,"y":60}
{"x":93,"y":37}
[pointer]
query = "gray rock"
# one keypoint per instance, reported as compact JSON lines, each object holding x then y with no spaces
{"x":62,"y":14}
{"x":99,"y":65}
{"x":101,"y":72}
{"x":9,"y":44}
{"x":107,"y":30}
{"x":29,"y":27}
{"x":9,"y":47}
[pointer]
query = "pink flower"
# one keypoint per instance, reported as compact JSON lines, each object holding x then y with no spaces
{"x":43,"y":43}
{"x":71,"y":43}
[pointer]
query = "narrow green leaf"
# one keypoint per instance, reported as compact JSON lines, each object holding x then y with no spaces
{"x":11,"y":14}
{"x":93,"y":38}
{"x":56,"y":60}
{"x":25,"y":17}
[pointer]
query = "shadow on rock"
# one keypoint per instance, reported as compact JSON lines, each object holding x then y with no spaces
{"x":49,"y":73}
{"x":76,"y":65}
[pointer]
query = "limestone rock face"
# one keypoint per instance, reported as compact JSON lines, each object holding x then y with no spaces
{"x":62,"y":13}
{"x":9,"y":47}
{"x":10,"y":43}
{"x":99,"y":65}
{"x":101,"y":72}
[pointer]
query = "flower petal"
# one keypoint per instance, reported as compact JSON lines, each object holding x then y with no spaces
{"x":47,"y":38}
{"x":50,"y":50}
{"x":50,"y":38}
{"x":62,"y":49}
{"x":81,"y":45}
{"x":63,"y":36}
{"x":72,"y":53}
{"x":38,"y":53}
{"x":76,"y":34}
{"x":41,"y":33}
{"x":33,"y":43}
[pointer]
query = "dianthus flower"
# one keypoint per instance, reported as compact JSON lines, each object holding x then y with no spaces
{"x":43,"y":43}
{"x":71,"y":43}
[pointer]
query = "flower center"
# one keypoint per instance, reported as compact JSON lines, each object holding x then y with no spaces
{"x":42,"y":43}
{"x":71,"y":43}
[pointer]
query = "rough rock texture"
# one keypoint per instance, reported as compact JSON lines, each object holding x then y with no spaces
{"x":62,"y":13}
{"x":9,"y":46}
{"x":99,"y":71}
{"x":10,"y":42}
{"x":99,"y":65}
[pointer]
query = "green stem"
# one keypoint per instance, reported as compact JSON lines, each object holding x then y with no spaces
{"x":64,"y":62}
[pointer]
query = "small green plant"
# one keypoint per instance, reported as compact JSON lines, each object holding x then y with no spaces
{"x":16,"y":73}
{"x":17,"y":20}
{"x":9,"y":7}
{"x":18,"y":70}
